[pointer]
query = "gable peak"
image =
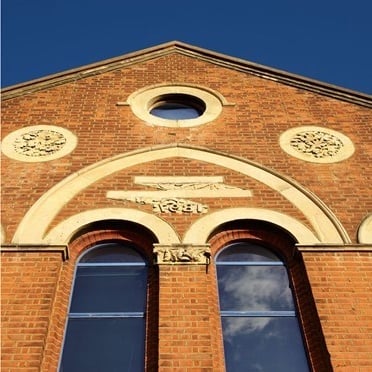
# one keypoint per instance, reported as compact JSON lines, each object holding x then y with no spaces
{"x":207,"y":55}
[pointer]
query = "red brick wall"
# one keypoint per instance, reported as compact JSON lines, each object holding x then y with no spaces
{"x":28,"y":286}
{"x":189,"y":329}
{"x":342,"y":287}
{"x":262,"y":110}
{"x":36,"y":286}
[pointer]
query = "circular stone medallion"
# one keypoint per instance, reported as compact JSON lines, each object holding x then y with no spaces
{"x":38,"y":143}
{"x":316,"y":144}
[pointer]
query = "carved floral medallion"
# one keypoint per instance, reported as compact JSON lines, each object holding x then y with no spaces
{"x":316,"y":144}
{"x":39,"y":143}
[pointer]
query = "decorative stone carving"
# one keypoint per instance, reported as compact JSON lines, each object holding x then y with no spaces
{"x":171,"y":193}
{"x":174,"y":205}
{"x":182,"y":254}
{"x":38,"y":143}
{"x":316,"y":144}
{"x":192,"y":186}
{"x":171,"y":205}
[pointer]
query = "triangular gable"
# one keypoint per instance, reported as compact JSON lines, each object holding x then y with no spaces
{"x":226,"y":61}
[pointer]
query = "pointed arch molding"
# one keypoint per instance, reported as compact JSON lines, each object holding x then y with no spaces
{"x":33,"y":227}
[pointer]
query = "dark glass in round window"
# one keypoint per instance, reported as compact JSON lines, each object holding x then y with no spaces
{"x":177,"y":107}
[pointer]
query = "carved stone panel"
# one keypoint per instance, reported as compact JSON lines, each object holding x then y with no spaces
{"x":316,"y":144}
{"x":38,"y":143}
{"x":174,"y":205}
{"x":168,"y":205}
{"x":171,"y":192}
{"x":182,"y":254}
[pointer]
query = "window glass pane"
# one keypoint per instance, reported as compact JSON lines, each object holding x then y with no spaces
{"x":109,"y":289}
{"x":111,"y":252}
{"x":175,"y":111}
{"x":98,"y":345}
{"x":263,"y":344}
{"x":178,"y":106}
{"x":246,"y":252}
{"x":254,"y":288}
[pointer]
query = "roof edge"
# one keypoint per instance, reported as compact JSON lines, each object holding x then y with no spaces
{"x":223,"y":60}
{"x":87,"y":70}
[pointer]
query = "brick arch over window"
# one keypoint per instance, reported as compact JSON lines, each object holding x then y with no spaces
{"x":200,"y":230}
{"x":88,"y":237}
{"x":283,"y":244}
{"x":113,"y":230}
{"x":34,"y":225}
{"x":267,"y":234}
{"x":63,"y":232}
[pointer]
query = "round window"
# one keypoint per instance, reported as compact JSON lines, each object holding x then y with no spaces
{"x":177,"y":107}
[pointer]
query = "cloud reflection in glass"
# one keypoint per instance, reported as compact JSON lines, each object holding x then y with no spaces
{"x":259,"y":322}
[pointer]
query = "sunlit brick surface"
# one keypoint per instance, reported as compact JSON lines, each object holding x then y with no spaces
{"x":184,"y":330}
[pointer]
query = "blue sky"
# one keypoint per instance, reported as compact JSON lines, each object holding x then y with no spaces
{"x":326,"y":40}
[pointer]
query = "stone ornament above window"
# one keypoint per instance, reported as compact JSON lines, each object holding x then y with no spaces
{"x":316,"y":144}
{"x":39,"y":143}
{"x":182,"y":254}
{"x":170,"y":205}
{"x":175,"y":105}
{"x":171,"y":193}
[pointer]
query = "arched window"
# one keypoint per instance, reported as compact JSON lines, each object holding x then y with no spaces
{"x":260,"y":328}
{"x":106,"y":321}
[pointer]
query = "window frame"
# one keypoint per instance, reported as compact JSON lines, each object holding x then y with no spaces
{"x":142,"y":101}
{"x":258,"y":313}
{"x":107,"y":315}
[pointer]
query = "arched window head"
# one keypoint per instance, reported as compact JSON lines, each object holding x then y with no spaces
{"x":260,"y":327}
{"x":106,"y":321}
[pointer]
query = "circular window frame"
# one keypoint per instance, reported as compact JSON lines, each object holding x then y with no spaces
{"x":8,"y":149}
{"x":142,"y":101}
{"x":344,"y":153}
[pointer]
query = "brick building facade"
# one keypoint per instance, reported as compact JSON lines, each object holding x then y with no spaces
{"x":268,"y":159}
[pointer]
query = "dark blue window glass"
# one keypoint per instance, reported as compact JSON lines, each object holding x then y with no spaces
{"x":178,"y":107}
{"x":175,"y":111}
{"x":106,"y":325}
{"x":109,"y":289}
{"x":104,"y":344}
{"x":259,"y":323}
{"x":111,"y":254}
